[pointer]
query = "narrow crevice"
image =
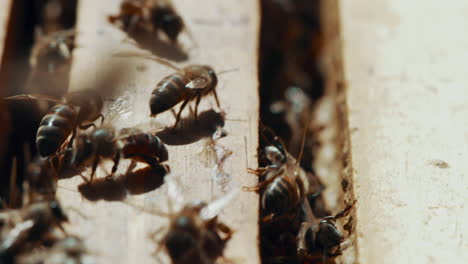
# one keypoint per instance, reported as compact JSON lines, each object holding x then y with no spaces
{"x":27,"y":18}
{"x":302,"y":89}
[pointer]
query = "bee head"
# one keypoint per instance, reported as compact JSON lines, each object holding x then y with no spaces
{"x":328,"y":235}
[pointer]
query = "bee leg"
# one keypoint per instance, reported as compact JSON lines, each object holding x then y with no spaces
{"x":225,"y":229}
{"x":196,"y":107}
{"x":260,"y":171}
{"x":62,"y":229}
{"x":93,"y":170}
{"x":180,"y":112}
{"x":260,"y":185}
{"x":344,"y":212}
{"x":102,"y":118}
{"x":116,"y":165}
{"x":70,"y":142}
{"x":216,"y":98}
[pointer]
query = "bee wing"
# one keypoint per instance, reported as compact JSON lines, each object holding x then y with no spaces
{"x":175,"y":195}
{"x":19,"y":231}
{"x":197,"y":83}
{"x":120,"y":108}
{"x":214,"y":208}
{"x":35,"y":97}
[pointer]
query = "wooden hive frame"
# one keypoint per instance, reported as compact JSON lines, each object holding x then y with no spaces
{"x":400,"y":161}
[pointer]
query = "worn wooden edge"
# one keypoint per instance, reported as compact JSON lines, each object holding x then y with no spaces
{"x":407,"y":115}
{"x":5,"y":21}
{"x":226,"y":34}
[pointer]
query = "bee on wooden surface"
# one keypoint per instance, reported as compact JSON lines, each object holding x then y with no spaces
{"x":187,"y":84}
{"x":53,"y":51}
{"x":103,"y":143}
{"x":193,"y":239}
{"x":70,"y":249}
{"x":150,"y":15}
{"x":77,"y":110}
{"x":320,"y":237}
{"x":28,"y":224}
{"x":50,"y":62}
{"x":41,"y":179}
{"x":195,"y":235}
{"x":285,"y":183}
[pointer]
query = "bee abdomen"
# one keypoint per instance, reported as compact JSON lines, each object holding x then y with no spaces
{"x":144,"y":144}
{"x":168,"y":92}
{"x":54,"y":129}
{"x":280,"y":196}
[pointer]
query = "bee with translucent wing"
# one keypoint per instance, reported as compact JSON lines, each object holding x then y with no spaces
{"x":29,"y":223}
{"x":320,"y":236}
{"x":187,"y":84}
{"x":285,"y":184}
{"x":195,"y":235}
{"x":77,"y":110}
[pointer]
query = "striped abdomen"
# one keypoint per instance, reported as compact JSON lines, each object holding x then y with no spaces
{"x":168,"y":92}
{"x":54,"y":129}
{"x":143,"y":145}
{"x":280,"y":196}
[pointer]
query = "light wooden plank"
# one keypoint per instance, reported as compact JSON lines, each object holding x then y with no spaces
{"x":405,"y":62}
{"x":5,"y":12}
{"x":226,"y":33}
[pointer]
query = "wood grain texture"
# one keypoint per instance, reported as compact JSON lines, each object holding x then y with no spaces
{"x":226,"y":34}
{"x":405,"y":63}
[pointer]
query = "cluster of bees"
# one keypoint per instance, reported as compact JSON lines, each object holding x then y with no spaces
{"x":296,"y":225}
{"x":73,"y":136}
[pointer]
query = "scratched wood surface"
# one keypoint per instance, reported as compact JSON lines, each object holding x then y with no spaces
{"x":405,"y":63}
{"x":225,"y":36}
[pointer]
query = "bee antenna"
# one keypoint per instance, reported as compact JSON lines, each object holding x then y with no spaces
{"x":304,"y":133}
{"x":148,"y":57}
{"x":227,"y":71}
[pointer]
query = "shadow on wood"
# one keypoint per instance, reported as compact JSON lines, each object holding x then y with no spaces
{"x":116,"y":189}
{"x":190,"y":130}
{"x":161,"y":48}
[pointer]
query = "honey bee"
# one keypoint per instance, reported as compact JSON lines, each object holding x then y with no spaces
{"x":151,"y":15}
{"x":41,"y":179}
{"x":53,"y":51}
{"x":70,"y":249}
{"x":320,"y":235}
{"x":77,"y":110}
{"x":286,"y":184}
{"x":187,"y":84}
{"x":103,"y":143}
{"x":192,"y":239}
{"x":195,"y":235}
{"x":28,"y":224}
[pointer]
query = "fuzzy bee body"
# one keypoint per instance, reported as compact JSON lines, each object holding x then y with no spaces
{"x":168,"y":92}
{"x":102,"y":143}
{"x":146,"y":144}
{"x":73,"y":111}
{"x":29,"y":224}
{"x":54,"y":129}
{"x":151,"y":15}
{"x":190,"y":83}
{"x":281,"y":195}
{"x":191,"y":239}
